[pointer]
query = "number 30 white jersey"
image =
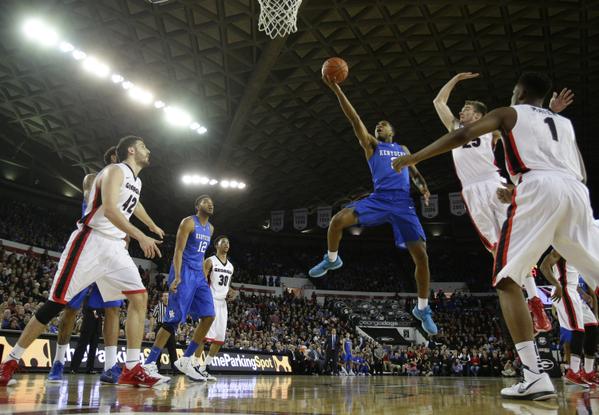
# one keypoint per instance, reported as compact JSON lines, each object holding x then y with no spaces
{"x":127,"y":201}
{"x":220,"y":277}
{"x":541,"y":140}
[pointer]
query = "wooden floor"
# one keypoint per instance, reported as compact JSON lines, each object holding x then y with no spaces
{"x":287,"y":395}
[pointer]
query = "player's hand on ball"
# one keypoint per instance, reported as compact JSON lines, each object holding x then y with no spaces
{"x":150,"y":247}
{"x":557,"y":294}
{"x":504,"y":194}
{"x":175,"y":284}
{"x":328,"y":82}
{"x":403,"y":161}
{"x":560,"y":102}
{"x":157,"y":231}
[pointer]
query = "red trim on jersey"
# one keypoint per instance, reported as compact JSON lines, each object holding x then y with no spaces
{"x":134,"y":291}
{"x":512,"y":155}
{"x":591,"y":325}
{"x":504,"y":240}
{"x":69,"y":265}
{"x":568,"y":304}
{"x":490,"y":247}
{"x":96,"y":203}
{"x":211,"y":340}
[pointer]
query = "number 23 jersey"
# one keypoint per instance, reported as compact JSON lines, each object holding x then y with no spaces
{"x":475,"y":161}
{"x":543,"y":141}
{"x":220,"y":277}
{"x":128,"y":198}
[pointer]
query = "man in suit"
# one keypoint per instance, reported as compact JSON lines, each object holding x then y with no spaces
{"x":332,"y":345}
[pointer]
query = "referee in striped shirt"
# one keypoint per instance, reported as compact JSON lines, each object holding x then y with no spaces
{"x":158,"y":315}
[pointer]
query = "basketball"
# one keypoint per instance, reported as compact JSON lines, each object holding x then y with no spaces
{"x":335,"y":69}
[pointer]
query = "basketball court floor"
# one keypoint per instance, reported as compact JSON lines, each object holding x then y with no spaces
{"x":83,"y":394}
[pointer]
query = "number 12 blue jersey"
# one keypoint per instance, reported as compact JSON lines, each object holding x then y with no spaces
{"x":197,"y":243}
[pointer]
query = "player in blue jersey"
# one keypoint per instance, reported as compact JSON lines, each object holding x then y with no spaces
{"x":389,"y":203}
{"x":190,"y":294}
{"x":112,"y":370}
{"x":347,"y":356}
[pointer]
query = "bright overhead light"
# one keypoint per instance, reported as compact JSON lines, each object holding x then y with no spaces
{"x":213,"y":182}
{"x":176,"y":116}
{"x":96,"y":67}
{"x":158,"y":104}
{"x":234,"y":184}
{"x":127,"y":85}
{"x":79,"y":55}
{"x":202,"y":130}
{"x":241,"y":185}
{"x":66,"y":47}
{"x":186,"y":179}
{"x":116,"y":78}
{"x":35,"y":29}
{"x":140,"y":95}
{"x":225,"y":183}
{"x":204,"y":180}
{"x":194,"y":125}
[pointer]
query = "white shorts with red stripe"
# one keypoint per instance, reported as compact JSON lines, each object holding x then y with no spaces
{"x":485,"y":209}
{"x":217,"y":331}
{"x":547,"y":209}
{"x":572,"y":312}
{"x":90,"y":257}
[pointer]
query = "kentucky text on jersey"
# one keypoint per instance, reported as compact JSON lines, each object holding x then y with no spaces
{"x":203,"y":237}
{"x":384,"y":178}
{"x":391,"y":153}
{"x":197,"y":243}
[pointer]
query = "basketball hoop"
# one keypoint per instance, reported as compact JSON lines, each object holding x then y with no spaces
{"x":278,"y":17}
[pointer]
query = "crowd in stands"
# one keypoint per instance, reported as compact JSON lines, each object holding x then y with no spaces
{"x":470,"y":341}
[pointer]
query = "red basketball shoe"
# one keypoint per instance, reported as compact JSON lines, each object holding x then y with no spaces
{"x":539,"y":317}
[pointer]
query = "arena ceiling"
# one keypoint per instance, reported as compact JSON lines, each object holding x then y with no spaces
{"x":270,"y":119}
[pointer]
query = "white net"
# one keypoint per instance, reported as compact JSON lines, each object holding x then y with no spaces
{"x":278,"y":17}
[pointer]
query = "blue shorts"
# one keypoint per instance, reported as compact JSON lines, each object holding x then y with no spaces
{"x":95,"y":299}
{"x":565,"y":336}
{"x":395,"y":208}
{"x":347,"y":358}
{"x":193,"y":297}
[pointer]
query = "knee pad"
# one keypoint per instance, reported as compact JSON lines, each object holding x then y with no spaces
{"x":170,"y":328}
{"x":48,"y":311}
{"x":590,"y":340}
{"x":576,"y":343}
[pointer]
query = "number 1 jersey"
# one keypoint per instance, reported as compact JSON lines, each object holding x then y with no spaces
{"x":128,"y":198}
{"x":220,"y":277}
{"x":541,"y":140}
{"x":197,"y":243}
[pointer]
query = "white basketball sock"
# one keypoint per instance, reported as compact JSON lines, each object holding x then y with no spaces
{"x":332,"y":255}
{"x":422,"y":303}
{"x":575,"y":363}
{"x":61,"y":352}
{"x":132,"y":358}
{"x":589,"y":364}
{"x":529,"y":356}
{"x":109,"y":357}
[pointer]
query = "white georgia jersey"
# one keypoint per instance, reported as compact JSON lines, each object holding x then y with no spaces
{"x":543,"y":141}
{"x":220,"y":277}
{"x":566,"y":273}
{"x":127,"y":200}
{"x":475,"y":161}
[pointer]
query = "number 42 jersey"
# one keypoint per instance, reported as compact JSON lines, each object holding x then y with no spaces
{"x":128,"y":198}
{"x":220,"y":277}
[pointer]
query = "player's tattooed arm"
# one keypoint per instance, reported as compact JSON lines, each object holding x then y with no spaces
{"x":186,"y":227}
{"x":547,"y":269}
{"x":141,"y":214}
{"x":367,"y":141}
{"x":418,"y":180}
{"x":207,"y":266}
{"x":88,"y":181}
{"x":440,"y":102}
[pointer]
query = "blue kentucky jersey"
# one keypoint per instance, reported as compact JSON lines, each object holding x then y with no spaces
{"x":383,"y":176}
{"x":197,"y":243}
{"x":347,"y":346}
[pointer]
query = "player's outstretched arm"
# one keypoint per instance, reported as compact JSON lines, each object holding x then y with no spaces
{"x":110,"y":189}
{"x":186,"y":227}
{"x":141,"y":214}
{"x":367,"y":141}
{"x":440,"y":102}
{"x":418,"y":180}
{"x":547,"y":269}
{"x":561,"y":101}
{"x":495,"y":120}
